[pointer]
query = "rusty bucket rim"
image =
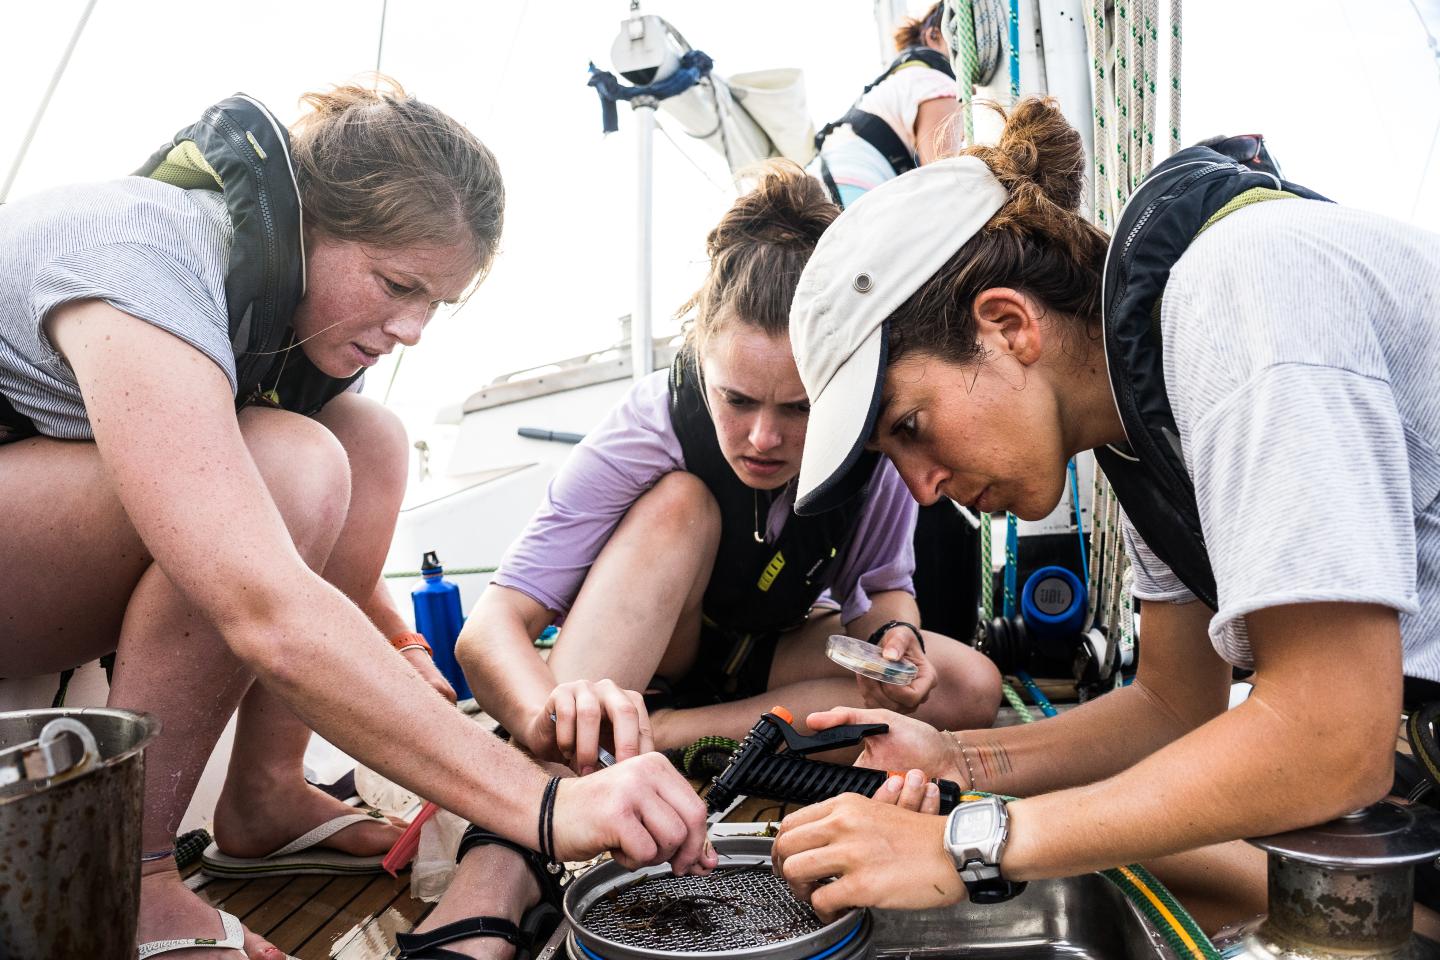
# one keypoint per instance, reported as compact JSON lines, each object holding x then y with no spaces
{"x":150,"y":729}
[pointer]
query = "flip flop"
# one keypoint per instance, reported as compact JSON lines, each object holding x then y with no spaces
{"x":234,"y":940}
{"x":301,"y":855}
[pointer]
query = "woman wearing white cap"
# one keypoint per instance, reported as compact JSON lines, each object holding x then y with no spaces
{"x":1294,"y":383}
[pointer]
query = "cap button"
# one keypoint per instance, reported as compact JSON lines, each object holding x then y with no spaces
{"x":862,"y":283}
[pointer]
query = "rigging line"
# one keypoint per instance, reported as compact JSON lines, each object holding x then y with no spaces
{"x":713,"y":182}
{"x":1430,"y":37}
{"x":45,"y":101}
{"x":509,"y":58}
{"x":380,"y":44}
{"x":1425,"y":170}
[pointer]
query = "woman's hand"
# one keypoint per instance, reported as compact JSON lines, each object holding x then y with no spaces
{"x":420,"y":661}
{"x":641,"y":810}
{"x":873,"y":854}
{"x":910,"y":791}
{"x":581,"y":709}
{"x":900,"y":643}
{"x":910,"y":744}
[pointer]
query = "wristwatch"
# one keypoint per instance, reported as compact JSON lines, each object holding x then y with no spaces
{"x":975,"y":835}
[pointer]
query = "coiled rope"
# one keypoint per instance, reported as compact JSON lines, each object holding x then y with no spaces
{"x":973,"y":30}
{"x":1124,"y":66}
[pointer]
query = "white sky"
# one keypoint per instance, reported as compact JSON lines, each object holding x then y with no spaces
{"x":1347,"y":93}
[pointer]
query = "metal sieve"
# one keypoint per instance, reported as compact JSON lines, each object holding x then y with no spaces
{"x":741,"y":910}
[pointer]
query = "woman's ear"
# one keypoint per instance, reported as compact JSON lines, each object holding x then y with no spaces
{"x":1007,"y":322}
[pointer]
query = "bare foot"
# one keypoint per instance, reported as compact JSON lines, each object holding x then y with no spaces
{"x":170,"y":911}
{"x":492,"y":881}
{"x":256,"y":820}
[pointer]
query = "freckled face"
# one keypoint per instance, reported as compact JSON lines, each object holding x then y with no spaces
{"x":987,"y":435}
{"x":758,"y":404}
{"x":362,"y":301}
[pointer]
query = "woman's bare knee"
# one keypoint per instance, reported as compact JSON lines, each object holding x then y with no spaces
{"x":307,"y":473}
{"x":375,"y":443}
{"x":680,"y":504}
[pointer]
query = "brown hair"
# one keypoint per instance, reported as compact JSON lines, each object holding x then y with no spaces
{"x":377,"y":166}
{"x":1037,"y":242}
{"x":757,"y":251}
{"x":912,"y":30}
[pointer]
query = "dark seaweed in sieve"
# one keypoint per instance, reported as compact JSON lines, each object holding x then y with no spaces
{"x":733,"y":908}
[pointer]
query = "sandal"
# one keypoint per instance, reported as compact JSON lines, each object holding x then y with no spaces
{"x":535,"y":926}
{"x":234,"y":939}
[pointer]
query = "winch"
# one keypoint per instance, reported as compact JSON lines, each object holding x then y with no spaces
{"x":1345,"y":889}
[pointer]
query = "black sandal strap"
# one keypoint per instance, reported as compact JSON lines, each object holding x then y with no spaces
{"x":426,"y":946}
{"x":549,"y":874}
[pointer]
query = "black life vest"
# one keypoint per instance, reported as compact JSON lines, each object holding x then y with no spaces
{"x":875,"y":131}
{"x":240,"y":149}
{"x":759,"y":588}
{"x":1172,"y":205}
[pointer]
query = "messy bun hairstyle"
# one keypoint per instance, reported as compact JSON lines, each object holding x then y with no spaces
{"x":1037,"y":242}
{"x":758,"y":250}
{"x":379,"y":167}
{"x":911,"y":31}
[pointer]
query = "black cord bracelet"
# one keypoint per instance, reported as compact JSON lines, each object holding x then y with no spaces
{"x":547,"y":819}
{"x":880,"y":631}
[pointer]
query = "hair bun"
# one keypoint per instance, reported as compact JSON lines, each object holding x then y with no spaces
{"x":780,"y":204}
{"x":1040,"y":151}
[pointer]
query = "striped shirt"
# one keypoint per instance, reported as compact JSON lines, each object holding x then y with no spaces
{"x":155,"y":251}
{"x":1302,"y":359}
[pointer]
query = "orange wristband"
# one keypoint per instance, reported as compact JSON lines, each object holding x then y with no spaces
{"x":412,"y":639}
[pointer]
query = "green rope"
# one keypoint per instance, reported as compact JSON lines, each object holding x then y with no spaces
{"x":958,"y":25}
{"x":987,"y":570}
{"x":1012,"y":696}
{"x":1174,"y":75}
{"x":1182,"y":934}
{"x":453,"y":571}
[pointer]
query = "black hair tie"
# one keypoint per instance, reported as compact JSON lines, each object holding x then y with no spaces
{"x":547,"y":819}
{"x":880,"y":631}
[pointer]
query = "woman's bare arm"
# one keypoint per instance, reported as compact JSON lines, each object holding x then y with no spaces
{"x":168,"y":437}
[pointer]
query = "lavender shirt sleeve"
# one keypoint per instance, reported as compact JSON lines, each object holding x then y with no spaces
{"x":881,"y":556}
{"x":630,"y":450}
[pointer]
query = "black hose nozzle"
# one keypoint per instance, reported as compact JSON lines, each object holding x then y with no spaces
{"x":759,"y":768}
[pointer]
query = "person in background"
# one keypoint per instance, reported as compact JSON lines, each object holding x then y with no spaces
{"x":1295,"y":380}
{"x":667,"y":545}
{"x":220,"y":509}
{"x":904,"y":119}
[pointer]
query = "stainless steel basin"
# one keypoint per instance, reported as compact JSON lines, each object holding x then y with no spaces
{"x":1077,"y":917}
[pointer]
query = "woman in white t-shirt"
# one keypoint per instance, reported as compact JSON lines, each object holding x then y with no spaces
{"x":1292,"y":400}
{"x":914,"y":100}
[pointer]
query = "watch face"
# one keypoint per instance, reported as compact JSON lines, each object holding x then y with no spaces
{"x":973,"y":822}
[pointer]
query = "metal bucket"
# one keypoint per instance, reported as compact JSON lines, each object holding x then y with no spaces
{"x":70,"y":844}
{"x":744,"y":912}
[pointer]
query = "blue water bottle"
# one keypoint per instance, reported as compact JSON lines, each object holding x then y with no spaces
{"x":438,"y":616}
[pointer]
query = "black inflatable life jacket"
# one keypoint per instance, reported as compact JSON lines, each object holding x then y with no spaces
{"x":1178,"y":200}
{"x":238,"y":148}
{"x":871,"y":128}
{"x":757,"y":587}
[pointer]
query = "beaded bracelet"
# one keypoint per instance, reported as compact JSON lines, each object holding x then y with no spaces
{"x":964,"y":757}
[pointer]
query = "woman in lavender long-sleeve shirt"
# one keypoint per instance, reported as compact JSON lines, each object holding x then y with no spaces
{"x":668,"y":543}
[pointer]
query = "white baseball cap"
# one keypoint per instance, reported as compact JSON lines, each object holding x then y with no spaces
{"x":875,"y":255}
